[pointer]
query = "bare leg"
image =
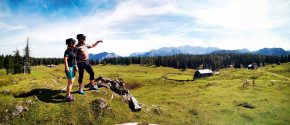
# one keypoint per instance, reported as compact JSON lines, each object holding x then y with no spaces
{"x":81,"y":88}
{"x":92,"y":82}
{"x":69,"y":86}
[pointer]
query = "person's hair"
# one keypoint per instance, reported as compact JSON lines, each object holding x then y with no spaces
{"x":81,"y":36}
{"x":69,"y":41}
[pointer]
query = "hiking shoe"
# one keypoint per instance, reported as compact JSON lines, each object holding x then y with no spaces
{"x":94,"y":88}
{"x":69,"y":98}
{"x":81,"y":92}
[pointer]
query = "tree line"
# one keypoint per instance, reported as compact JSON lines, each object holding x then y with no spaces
{"x":15,"y":63}
{"x":18,"y":64}
{"x":210,"y":61}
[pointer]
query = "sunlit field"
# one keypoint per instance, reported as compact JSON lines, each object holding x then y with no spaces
{"x":218,"y":99}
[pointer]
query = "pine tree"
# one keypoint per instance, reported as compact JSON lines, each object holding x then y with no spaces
{"x":8,"y":64}
{"x":27,"y":58}
{"x":17,"y":63}
{"x":1,"y":62}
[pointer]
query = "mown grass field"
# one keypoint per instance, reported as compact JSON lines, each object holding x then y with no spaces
{"x":211,"y":100}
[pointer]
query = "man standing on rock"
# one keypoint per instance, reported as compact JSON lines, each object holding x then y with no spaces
{"x":83,"y":62}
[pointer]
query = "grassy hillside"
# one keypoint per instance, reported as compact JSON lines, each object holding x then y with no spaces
{"x":214,"y":100}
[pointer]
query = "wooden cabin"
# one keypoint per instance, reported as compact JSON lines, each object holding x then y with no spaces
{"x":50,"y":66}
{"x":252,"y":66}
{"x":203,"y":73}
{"x":231,"y":66}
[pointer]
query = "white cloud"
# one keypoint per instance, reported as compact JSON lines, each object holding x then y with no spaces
{"x":5,"y":26}
{"x":237,"y":15}
{"x":233,"y":24}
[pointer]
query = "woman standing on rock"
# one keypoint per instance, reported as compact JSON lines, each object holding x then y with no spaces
{"x":70,"y":66}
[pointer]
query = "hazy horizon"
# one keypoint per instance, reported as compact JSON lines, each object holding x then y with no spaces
{"x":142,"y":25}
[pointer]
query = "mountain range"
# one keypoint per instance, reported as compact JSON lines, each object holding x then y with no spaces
{"x":103,"y":55}
{"x":264,"y":51}
{"x":167,"y":51}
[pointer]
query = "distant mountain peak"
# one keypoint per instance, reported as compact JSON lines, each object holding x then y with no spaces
{"x":245,"y":50}
{"x":238,"y":51}
{"x":272,"y":51}
{"x":102,"y":55}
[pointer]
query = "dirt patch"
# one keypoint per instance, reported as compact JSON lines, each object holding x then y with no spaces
{"x":133,"y":85}
{"x":244,"y":104}
{"x":193,"y":112}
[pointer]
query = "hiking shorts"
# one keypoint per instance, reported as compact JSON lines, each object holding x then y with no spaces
{"x":72,"y":73}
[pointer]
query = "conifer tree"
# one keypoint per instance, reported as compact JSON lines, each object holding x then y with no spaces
{"x":9,"y":64}
{"x":1,"y":62}
{"x":17,"y":67}
{"x":27,"y":57}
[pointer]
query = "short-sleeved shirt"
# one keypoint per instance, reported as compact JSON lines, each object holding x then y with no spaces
{"x":83,"y":52}
{"x":71,"y":57}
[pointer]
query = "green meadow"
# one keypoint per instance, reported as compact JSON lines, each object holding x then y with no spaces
{"x":215,"y":100}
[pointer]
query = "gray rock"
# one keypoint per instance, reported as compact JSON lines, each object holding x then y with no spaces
{"x":157,"y":110}
{"x":247,"y":105}
{"x":18,"y":110}
{"x":29,"y":102}
{"x":5,"y":92}
{"x":25,"y":109}
{"x":35,"y":97}
{"x":102,"y":103}
{"x":99,"y":106}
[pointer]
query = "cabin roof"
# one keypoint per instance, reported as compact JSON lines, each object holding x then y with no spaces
{"x":204,"y":71}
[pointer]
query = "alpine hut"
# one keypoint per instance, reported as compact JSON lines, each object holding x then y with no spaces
{"x":252,"y":66}
{"x":203,"y":73}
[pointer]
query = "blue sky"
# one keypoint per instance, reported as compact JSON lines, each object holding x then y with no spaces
{"x":128,"y":26}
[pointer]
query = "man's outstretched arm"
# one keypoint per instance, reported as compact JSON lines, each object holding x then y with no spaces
{"x":95,"y":44}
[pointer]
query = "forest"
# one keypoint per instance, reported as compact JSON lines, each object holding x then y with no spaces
{"x":15,"y":63}
{"x":211,"y":61}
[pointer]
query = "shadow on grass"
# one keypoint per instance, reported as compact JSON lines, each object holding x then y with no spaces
{"x":44,"y":95}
